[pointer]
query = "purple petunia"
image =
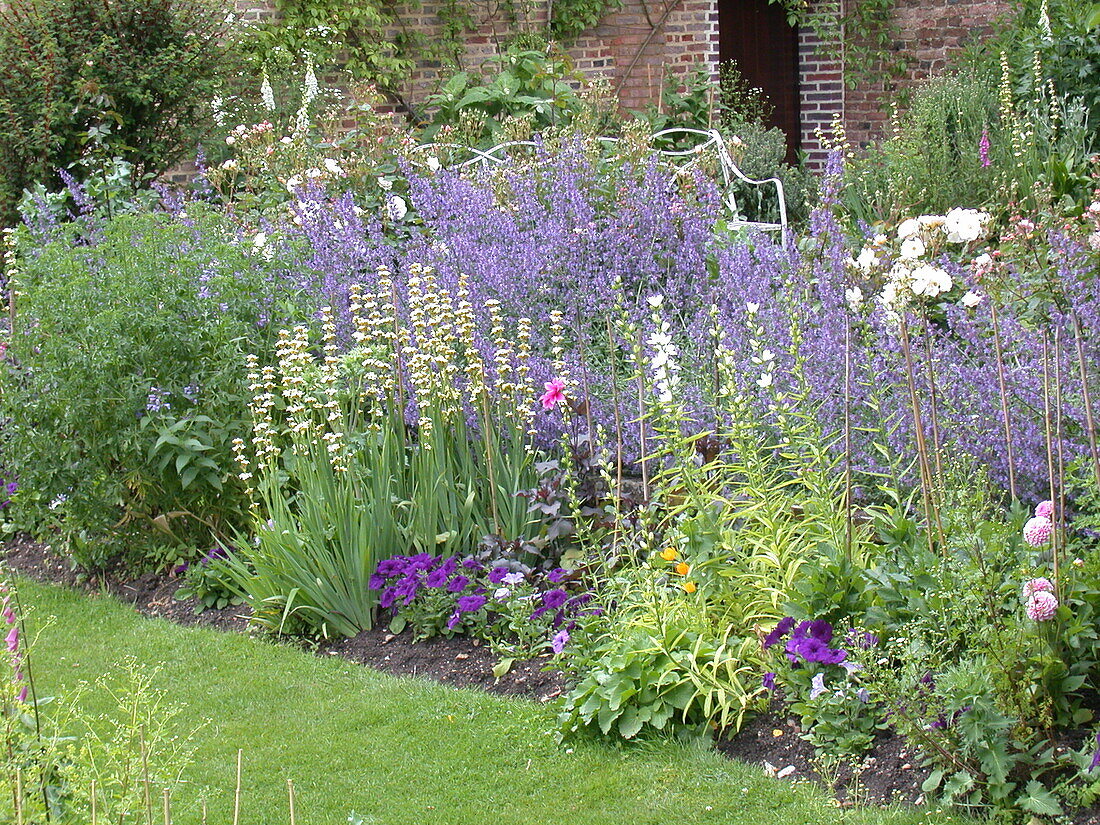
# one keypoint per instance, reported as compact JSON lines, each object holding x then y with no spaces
{"x":437,"y":578}
{"x":781,"y":630}
{"x":555,"y":576}
{"x":560,"y":640}
{"x":376,"y":581}
{"x":497,"y":574}
{"x":768,"y":681}
{"x":1096,"y":755}
{"x":554,"y":598}
{"x":458,"y":584}
{"x":388,"y":597}
{"x":470,"y":604}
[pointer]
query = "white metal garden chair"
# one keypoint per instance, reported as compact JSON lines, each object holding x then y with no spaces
{"x":685,"y":161}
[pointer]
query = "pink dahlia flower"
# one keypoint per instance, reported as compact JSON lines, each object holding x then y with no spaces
{"x":1045,"y":509}
{"x":1041,"y":606}
{"x":1041,"y":585}
{"x":1037,"y":531}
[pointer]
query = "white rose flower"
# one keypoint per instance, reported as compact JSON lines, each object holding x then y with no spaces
{"x":333,"y":167}
{"x":1094,"y":241}
{"x":912,"y":248}
{"x":397,"y":208}
{"x":964,"y":225}
{"x":908,"y":228}
{"x":854,"y":296}
{"x":385,"y":184}
{"x":867,"y":259}
{"x":434,"y":164}
{"x":930,"y":281}
{"x":293,"y":183}
{"x":971,"y":299}
{"x":259,"y":240}
{"x":931,"y":221}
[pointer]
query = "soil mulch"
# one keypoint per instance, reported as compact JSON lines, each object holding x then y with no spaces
{"x":890,"y":773}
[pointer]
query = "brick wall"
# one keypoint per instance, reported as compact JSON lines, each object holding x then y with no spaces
{"x":634,"y":45}
{"x":929,"y":32}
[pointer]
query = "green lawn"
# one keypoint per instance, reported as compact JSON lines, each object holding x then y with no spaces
{"x":396,"y":750}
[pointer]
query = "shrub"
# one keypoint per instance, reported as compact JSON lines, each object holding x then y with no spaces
{"x":82,"y":79}
{"x":124,"y":381}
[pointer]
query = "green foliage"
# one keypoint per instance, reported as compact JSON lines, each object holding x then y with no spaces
{"x":932,"y":162}
{"x":570,"y":18}
{"x":342,"y":482}
{"x":523,"y":92}
{"x":124,"y":386}
{"x":82,"y":78}
{"x":675,"y":682}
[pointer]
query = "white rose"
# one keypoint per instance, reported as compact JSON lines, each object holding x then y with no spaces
{"x":912,"y":248}
{"x":434,"y":164}
{"x":930,"y":281}
{"x":333,"y":167}
{"x":971,"y":299}
{"x":964,"y":225}
{"x":397,"y":208}
{"x":385,"y":184}
{"x":293,"y":183}
{"x":908,"y":228}
{"x":854,"y":296}
{"x":867,"y":259}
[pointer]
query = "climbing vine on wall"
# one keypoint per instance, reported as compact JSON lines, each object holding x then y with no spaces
{"x":860,"y":31}
{"x":380,"y":41}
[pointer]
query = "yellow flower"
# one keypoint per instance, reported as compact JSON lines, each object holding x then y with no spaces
{"x":690,"y":587}
{"x":682,"y":568}
{"x":669,"y":554}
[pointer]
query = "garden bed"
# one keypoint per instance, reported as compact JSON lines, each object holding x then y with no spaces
{"x":458,"y":662}
{"x":889,"y":775}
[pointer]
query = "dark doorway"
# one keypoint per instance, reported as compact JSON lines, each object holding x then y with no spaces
{"x":755,"y":33}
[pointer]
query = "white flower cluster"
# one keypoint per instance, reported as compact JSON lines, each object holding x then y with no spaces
{"x":663,"y":363}
{"x":910,"y":271}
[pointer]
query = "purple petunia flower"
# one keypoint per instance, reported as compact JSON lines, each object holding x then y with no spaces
{"x":389,"y":595}
{"x":497,"y":574}
{"x":558,"y":643}
{"x":437,"y":578}
{"x":472,"y":564}
{"x":539,"y":611}
{"x":458,"y":584}
{"x":376,"y":581}
{"x":470,"y":604}
{"x":1096,"y":755}
{"x":781,"y":630}
{"x":556,"y":575}
{"x":554,"y":598}
{"x":768,"y":681}
{"x":456,"y":617}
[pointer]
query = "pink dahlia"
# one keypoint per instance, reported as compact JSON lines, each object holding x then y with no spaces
{"x":1041,"y":606}
{"x":1034,"y":586}
{"x":1045,"y":509}
{"x":554,"y":395}
{"x":1037,"y":531}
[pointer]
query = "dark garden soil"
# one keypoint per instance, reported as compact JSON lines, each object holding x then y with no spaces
{"x":891,"y":773}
